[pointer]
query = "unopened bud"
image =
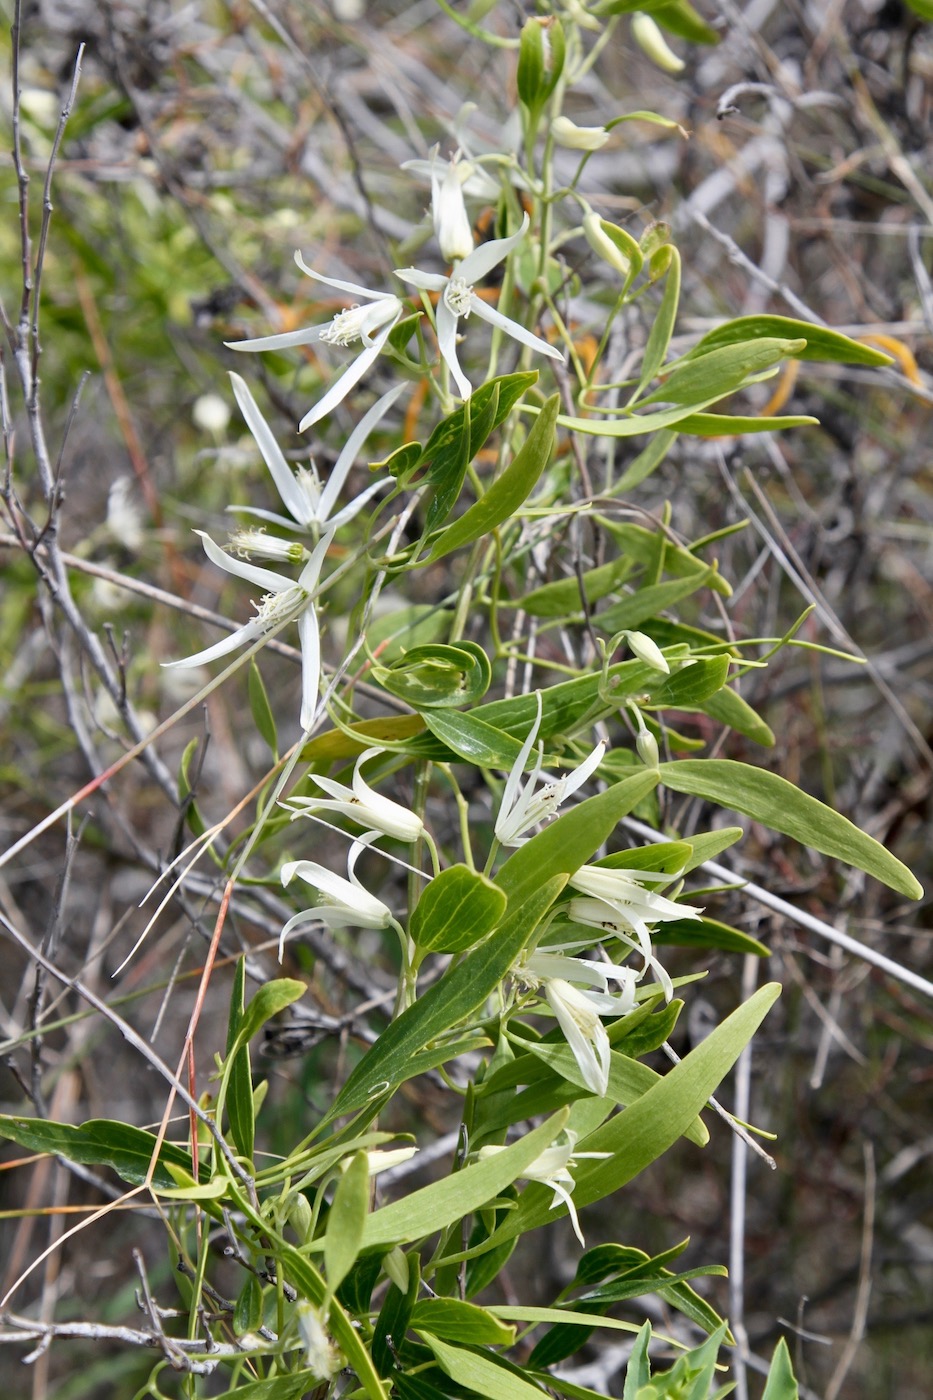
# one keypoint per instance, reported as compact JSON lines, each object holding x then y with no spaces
{"x":616,"y":247}
{"x":651,"y":41}
{"x":647,"y":651}
{"x":578,"y":138}
{"x":540,"y":60}
{"x":647,"y":747}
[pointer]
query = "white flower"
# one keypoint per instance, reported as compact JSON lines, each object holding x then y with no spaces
{"x":322,"y":1355}
{"x":369,"y":323}
{"x":361,"y":803}
{"x":521,"y":808}
{"x":346,"y":904}
{"x":578,"y":138}
{"x":451,"y":223}
{"x":578,"y":1011}
{"x":617,"y":902}
{"x":308,"y":503}
{"x":457,"y":298}
{"x":552,"y":1168}
{"x":285,"y":600}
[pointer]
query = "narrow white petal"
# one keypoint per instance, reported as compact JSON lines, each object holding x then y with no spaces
{"x":308,"y":578}
{"x":310,"y":666}
{"x":512,"y":328}
{"x":352,"y":447}
{"x":356,"y":505}
{"x":425,"y":281}
{"x":484,"y":258}
{"x":341,"y":387}
{"x":351,"y":288}
{"x":287,"y":522}
{"x":447,"y":344}
{"x":310,"y":335}
{"x":265,"y":578}
{"x":513,"y":782}
{"x":590,"y":1048}
{"x":580,"y":774}
{"x":237,"y":639}
{"x":293,"y":498}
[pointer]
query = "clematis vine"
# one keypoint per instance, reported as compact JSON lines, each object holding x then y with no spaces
{"x":344,"y":903}
{"x":368,"y":321}
{"x":522,"y":807}
{"x":552,"y":1167}
{"x":285,"y":600}
{"x":457,"y":298}
{"x":310,"y":504}
{"x":579,"y":1009}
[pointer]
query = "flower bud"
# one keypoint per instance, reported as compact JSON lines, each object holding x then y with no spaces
{"x":647,"y":747}
{"x":647,"y":651}
{"x":616,"y":247}
{"x":578,"y":138}
{"x":540,"y":60}
{"x":651,"y":41}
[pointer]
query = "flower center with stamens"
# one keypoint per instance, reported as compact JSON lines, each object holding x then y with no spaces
{"x":273,"y":609}
{"x":346,"y":327}
{"x":459,"y":296}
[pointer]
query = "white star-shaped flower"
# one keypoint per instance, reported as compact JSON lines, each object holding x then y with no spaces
{"x":522,"y":808}
{"x":310,"y":504}
{"x":285,"y":600}
{"x":578,"y":1010}
{"x":344,"y":903}
{"x":368,"y":321}
{"x":457,"y":298}
{"x":552,"y":1168}
{"x":361,"y":803}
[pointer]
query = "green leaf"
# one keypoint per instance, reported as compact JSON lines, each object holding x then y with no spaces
{"x":781,"y":1384}
{"x":192,"y":815}
{"x":473,"y":739}
{"x":456,"y":1321}
{"x":641,"y":1133}
{"x":239,"y":1100}
{"x":449,"y":466}
{"x":821,"y":343}
{"x":100,"y":1143}
{"x":563,"y":595}
{"x":712,"y":425}
{"x":394,"y":1316}
{"x":690,"y":685}
{"x":508,"y":492}
{"x":638,"y":1369}
{"x":388,"y":732}
{"x":680,"y":18}
{"x":457,"y":909}
{"x":346,"y":1220}
{"x":645,"y":545}
{"x":707,"y":845}
{"x":569,"y":842}
{"x":628,"y":1079}
{"x":647,"y":602}
{"x":444,"y":1202}
{"x":291,"y":1386}
{"x":461,"y":991}
{"x":247,"y":1313}
{"x":659,"y":337}
{"x":721,"y":371}
{"x":729,"y":708}
{"x":390,"y":635}
{"x":271,"y":998}
{"x":777,"y":803}
{"x":707,"y":933}
{"x":437,"y":675}
{"x":481,"y":1374}
{"x":261,"y":710}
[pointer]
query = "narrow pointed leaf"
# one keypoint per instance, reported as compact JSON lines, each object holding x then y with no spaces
{"x":346,"y":1221}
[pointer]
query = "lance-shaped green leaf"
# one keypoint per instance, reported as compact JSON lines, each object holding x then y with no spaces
{"x":713,"y":425}
{"x":659,"y":337}
{"x":346,"y":1220}
{"x":643,"y":1132}
{"x":271,"y":998}
{"x":647,"y":602}
{"x":777,"y":803}
{"x":721,"y":371}
{"x":444,"y":1202}
{"x":781,"y":1384}
{"x":100,"y":1143}
{"x":457,"y":909}
{"x":473,"y":739}
{"x":821,"y":342}
{"x":456,"y":1321}
{"x":509,"y":491}
{"x":479,"y":1373}
{"x":460,"y":992}
{"x":239,"y":1093}
{"x":564,"y":594}
{"x":730,"y":708}
{"x":707,"y":933}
